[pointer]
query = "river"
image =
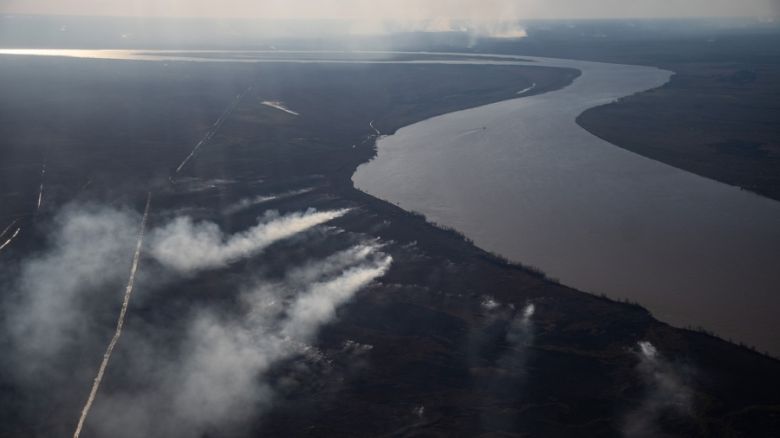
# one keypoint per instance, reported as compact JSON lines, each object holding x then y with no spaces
{"x":523,"y":180}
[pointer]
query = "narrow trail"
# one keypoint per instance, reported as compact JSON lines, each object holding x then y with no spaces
{"x":40,"y":198}
{"x":86,"y":184}
{"x":40,"y":190}
{"x":119,"y":323}
{"x":13,"y":236}
{"x":280,"y":107}
{"x":5,"y":230}
{"x":214,"y":128}
{"x":38,"y":203}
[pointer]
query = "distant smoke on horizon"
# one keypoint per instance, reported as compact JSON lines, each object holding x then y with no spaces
{"x":400,"y":10}
{"x":344,"y":23}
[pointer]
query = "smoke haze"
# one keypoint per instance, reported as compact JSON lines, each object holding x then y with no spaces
{"x":400,"y":10}
{"x":84,"y":265}
{"x":208,"y":373}
{"x":216,"y":380}
{"x":339,"y":18}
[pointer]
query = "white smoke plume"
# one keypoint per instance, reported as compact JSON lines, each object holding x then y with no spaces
{"x":210,"y":380}
{"x":502,"y":347}
{"x":335,"y":263}
{"x":246,"y":203}
{"x":319,"y":304}
{"x":216,"y":380}
{"x":666,"y":392}
{"x":519,"y":336}
{"x":186,"y":246}
{"x":85,"y":264}
{"x":519,"y":330}
{"x":489,"y":303}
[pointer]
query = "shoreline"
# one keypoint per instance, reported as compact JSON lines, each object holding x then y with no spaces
{"x":382,"y":183}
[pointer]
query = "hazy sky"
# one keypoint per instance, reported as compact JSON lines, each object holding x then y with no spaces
{"x":398,"y":9}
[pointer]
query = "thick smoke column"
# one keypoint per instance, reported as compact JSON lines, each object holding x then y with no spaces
{"x":666,"y":392}
{"x":186,"y":246}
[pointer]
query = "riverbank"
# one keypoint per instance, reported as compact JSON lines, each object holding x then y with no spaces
{"x":536,"y":188}
{"x":716,"y":117}
{"x":718,"y":120}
